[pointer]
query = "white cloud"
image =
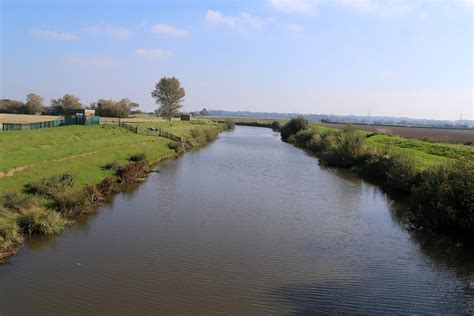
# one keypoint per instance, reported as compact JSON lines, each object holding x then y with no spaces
{"x":242,"y":21}
{"x":153,"y":52}
{"x":97,"y":61}
{"x":109,"y":30}
{"x":60,"y":36}
{"x":169,"y":30}
{"x":293,"y":28}
{"x":382,"y":8}
{"x":296,"y":6}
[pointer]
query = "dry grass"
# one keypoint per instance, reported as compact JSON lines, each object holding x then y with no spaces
{"x":23,"y":118}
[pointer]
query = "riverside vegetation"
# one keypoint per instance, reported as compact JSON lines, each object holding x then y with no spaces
{"x":437,"y":178}
{"x":50,"y":176}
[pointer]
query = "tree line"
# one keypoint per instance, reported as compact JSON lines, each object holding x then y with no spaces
{"x":35,"y":105}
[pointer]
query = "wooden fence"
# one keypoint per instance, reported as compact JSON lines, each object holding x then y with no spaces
{"x":152,"y":131}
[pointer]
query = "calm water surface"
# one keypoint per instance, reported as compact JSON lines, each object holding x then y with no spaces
{"x":247,"y":225}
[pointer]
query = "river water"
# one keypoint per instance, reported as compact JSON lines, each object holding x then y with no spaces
{"x":247,"y":225}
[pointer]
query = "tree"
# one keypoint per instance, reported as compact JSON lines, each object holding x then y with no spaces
{"x":12,"y":106}
{"x":168,"y":94}
{"x":204,"y":112}
{"x":34,"y":104}
{"x":111,"y":108}
{"x":68,"y":101}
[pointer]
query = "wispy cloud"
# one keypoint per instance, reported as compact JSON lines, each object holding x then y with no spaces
{"x":295,"y":6}
{"x":242,"y":21}
{"x":382,"y":8}
{"x":96,"y":61}
{"x":153,"y":52}
{"x":105,"y":29}
{"x":60,"y":36}
{"x":169,"y":30}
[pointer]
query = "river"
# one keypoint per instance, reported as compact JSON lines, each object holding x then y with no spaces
{"x":246,"y":225}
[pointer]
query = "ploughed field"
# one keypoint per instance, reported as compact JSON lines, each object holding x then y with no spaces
{"x":445,"y":135}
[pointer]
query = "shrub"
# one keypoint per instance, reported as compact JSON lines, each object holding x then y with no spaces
{"x":444,"y":198}
{"x":15,"y":201}
{"x":138,"y":157}
{"x":112,"y":165}
{"x":71,"y":203}
{"x":176,"y":146}
{"x":293,"y":126}
{"x":49,"y":186}
{"x":343,"y":148}
{"x":38,"y":221}
{"x":276,"y":126}
{"x":129,"y":173}
{"x":229,"y":124}
{"x":393,"y":170}
{"x":10,"y":237}
{"x":303,"y":136}
{"x":204,"y":135}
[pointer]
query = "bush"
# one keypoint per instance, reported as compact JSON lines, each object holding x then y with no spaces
{"x":293,"y":126}
{"x":15,"y":201}
{"x":343,"y":148}
{"x":71,"y":203}
{"x":204,"y":135}
{"x":112,"y":165}
{"x":444,"y":198}
{"x":229,"y":124}
{"x":276,"y":126}
{"x":176,"y":146}
{"x":303,"y":136}
{"x":50,"y":186}
{"x":10,"y":237}
{"x":38,"y":221}
{"x":393,"y":170}
{"x":138,"y":157}
{"x":129,"y":173}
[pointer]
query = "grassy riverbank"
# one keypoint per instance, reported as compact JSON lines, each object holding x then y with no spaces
{"x":438,"y":178}
{"x":47,"y":176}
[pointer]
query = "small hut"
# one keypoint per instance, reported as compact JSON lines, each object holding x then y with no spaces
{"x":80,"y":117}
{"x":185,"y":116}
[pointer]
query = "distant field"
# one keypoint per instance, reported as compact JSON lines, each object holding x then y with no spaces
{"x":433,"y":134}
{"x":440,"y":135}
{"x":21,"y":118}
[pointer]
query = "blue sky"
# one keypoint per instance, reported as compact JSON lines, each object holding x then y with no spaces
{"x":396,"y":58}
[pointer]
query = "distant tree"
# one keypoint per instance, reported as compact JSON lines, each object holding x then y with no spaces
{"x":204,"y":112}
{"x":110,"y":108}
{"x":34,"y":104}
{"x":68,"y":101}
{"x":12,"y":106}
{"x":169,"y":94}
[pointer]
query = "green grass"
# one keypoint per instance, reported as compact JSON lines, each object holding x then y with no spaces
{"x":80,"y":150}
{"x":425,"y":153}
{"x":182,"y":128}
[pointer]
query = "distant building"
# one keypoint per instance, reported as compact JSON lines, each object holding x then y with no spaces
{"x":80,"y":117}
{"x":186,"y":117}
